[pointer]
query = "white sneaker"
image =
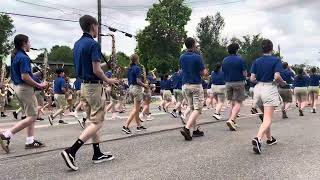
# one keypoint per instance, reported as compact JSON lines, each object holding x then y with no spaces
{"x":114,"y":116}
{"x":142,"y":117}
{"x":216,"y":116}
{"x":76,"y":115}
{"x":149,"y":118}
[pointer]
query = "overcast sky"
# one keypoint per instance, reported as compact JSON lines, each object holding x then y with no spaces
{"x":294,"y":24}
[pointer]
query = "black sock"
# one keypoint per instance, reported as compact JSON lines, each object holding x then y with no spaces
{"x":76,"y":146}
{"x":180,"y":112}
{"x":174,"y":110}
{"x":96,"y":149}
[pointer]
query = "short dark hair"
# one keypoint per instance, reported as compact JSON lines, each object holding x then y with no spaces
{"x":134,"y":58}
{"x":86,"y":22}
{"x":285,"y":65}
{"x":59,"y":71}
{"x":267,"y":46}
{"x":233,"y":48}
{"x":217,"y":67}
{"x":190,"y":42}
{"x":313,"y":70}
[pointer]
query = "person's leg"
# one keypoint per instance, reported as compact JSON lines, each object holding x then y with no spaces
{"x":134,"y":113}
{"x":267,"y":120}
{"x":235,"y":110}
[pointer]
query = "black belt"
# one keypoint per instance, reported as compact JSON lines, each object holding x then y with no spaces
{"x":92,"y":82}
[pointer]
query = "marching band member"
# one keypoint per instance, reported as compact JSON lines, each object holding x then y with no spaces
{"x":136,"y":84}
{"x":218,"y":89}
{"x":286,"y":91}
{"x":176,"y":80}
{"x":300,"y":84}
{"x":87,"y":58}
{"x":314,"y":88}
{"x":21,"y":75}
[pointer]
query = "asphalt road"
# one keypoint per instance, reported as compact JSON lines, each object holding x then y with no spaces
{"x":162,"y":153}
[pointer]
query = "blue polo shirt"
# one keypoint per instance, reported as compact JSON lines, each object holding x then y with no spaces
{"x":134,"y":72}
{"x":20,"y":65}
{"x":85,"y":51}
{"x":108,"y":74}
{"x":151,"y":79}
{"x":314,"y":80}
{"x":265,"y":67}
{"x":191,"y":65}
{"x":59,"y":83}
{"x":38,"y":80}
{"x":176,"y":80}
{"x":77,"y":84}
{"x":301,"y":81}
{"x":233,"y":67}
{"x":217,"y":78}
{"x":288,"y":76}
{"x":165,"y":85}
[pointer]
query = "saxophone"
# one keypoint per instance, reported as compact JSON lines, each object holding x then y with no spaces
{"x":144,"y":76}
{"x":3,"y":92}
{"x":116,"y":70}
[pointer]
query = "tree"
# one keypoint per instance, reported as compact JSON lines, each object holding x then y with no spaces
{"x":123,"y":59}
{"x":6,"y":31}
{"x":60,"y":54}
{"x":160,"y":43}
{"x":212,"y":46}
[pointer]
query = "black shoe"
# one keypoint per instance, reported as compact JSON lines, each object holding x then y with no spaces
{"x":314,"y":110}
{"x":186,"y":133}
{"x":159,"y":107}
{"x":126,"y":130}
{"x":238,"y":115}
{"x":40,"y":119}
{"x":261,"y":117}
{"x":34,"y":145}
{"x":50,"y":118}
{"x":197,"y":133}
{"x":15,"y":114}
{"x":297,"y":105}
{"x":272,"y":141}
{"x":254,"y":110}
{"x":141,"y":128}
{"x":256,"y":145}
{"x":3,"y":115}
{"x":284,"y":115}
{"x":301,"y":112}
{"x":23,"y":117}
{"x":62,"y":122}
{"x":69,"y":160}
{"x":101,"y":158}
{"x":4,"y":142}
{"x":174,"y":114}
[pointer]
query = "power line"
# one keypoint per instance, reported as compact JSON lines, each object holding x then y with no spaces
{"x":65,"y":20}
{"x":54,"y":8}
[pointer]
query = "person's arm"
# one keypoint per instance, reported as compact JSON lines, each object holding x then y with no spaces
{"x":139,"y":81}
{"x":253,"y":78}
{"x":244,"y":69}
{"x":277,"y":75}
{"x":27,"y":79}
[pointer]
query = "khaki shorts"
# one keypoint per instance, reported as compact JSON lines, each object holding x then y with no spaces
{"x":27,"y":99}
{"x":178,"y":95}
{"x":218,"y":92}
{"x":40,"y":97}
{"x":236,"y":91}
{"x":94,"y":97}
{"x":301,"y":93}
{"x":60,"y":99}
{"x":286,"y":95}
{"x":194,"y":96}
{"x":313,"y":89}
{"x":266,"y":94}
{"x":136,"y":92}
{"x":167,"y":96}
{"x":2,"y":101}
{"x":147,"y":96}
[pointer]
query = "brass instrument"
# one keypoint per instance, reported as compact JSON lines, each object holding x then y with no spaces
{"x":116,"y":70}
{"x":3,"y":88}
{"x":145,"y":80}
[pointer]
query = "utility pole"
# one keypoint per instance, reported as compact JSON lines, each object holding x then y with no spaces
{"x":99,"y":21}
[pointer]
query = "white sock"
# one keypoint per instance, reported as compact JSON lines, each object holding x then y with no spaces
{"x":84,"y":114}
{"x":8,"y":134}
{"x":29,"y":140}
